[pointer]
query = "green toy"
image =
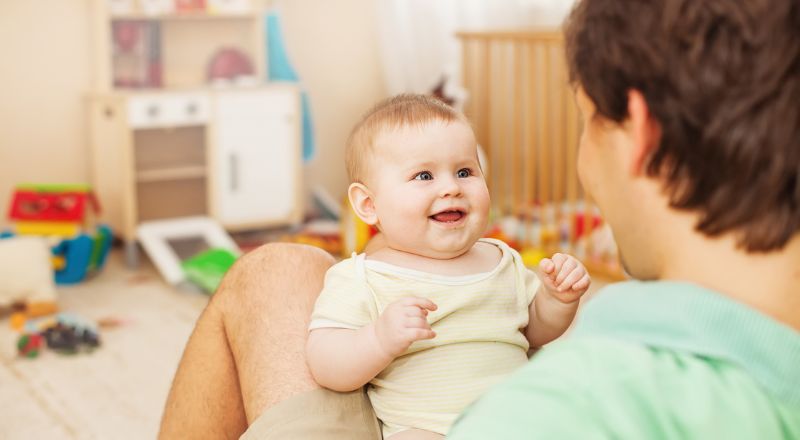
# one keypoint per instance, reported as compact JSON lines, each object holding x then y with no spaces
{"x":207,"y":268}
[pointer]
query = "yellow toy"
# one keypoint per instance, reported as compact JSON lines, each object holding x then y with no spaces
{"x":355,"y":233}
{"x":531,"y":257}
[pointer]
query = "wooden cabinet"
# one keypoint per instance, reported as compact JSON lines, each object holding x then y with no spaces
{"x":234,"y":155}
{"x":188,"y":148}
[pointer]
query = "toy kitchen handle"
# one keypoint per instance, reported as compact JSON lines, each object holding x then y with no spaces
{"x":153,"y":111}
{"x":233,"y":160}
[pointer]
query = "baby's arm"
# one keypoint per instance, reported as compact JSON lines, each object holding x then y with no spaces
{"x":345,"y":360}
{"x":564,"y":281}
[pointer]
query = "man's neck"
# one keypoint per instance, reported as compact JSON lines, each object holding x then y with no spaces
{"x":767,"y":282}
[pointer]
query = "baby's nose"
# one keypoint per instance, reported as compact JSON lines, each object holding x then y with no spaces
{"x":450,"y":188}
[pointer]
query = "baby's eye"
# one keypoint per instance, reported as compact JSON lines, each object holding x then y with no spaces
{"x":424,"y":175}
{"x":464,"y":173}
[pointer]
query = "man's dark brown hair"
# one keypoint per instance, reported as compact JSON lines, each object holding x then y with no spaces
{"x":722,"y":78}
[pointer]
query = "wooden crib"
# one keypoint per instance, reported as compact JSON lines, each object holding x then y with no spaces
{"x":525,"y":118}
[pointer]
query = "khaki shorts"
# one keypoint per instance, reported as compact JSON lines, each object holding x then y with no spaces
{"x":318,"y":414}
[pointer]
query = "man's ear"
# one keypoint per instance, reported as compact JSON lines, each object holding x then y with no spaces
{"x":645,"y":131}
{"x":362,"y":202}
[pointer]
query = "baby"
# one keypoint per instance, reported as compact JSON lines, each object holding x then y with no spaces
{"x":437,"y":315}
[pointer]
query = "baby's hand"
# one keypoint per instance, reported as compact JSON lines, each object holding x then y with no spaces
{"x":402,"y":323}
{"x":564,"y":277}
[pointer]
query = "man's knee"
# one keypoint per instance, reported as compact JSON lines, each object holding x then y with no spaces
{"x":271,"y":267}
{"x":276,"y":259}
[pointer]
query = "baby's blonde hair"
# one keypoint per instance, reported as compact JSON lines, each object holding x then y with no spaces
{"x":405,"y":110}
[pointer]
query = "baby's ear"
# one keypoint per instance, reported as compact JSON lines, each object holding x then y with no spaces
{"x":362,"y":202}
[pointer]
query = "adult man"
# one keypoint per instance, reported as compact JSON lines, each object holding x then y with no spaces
{"x":691,"y":148}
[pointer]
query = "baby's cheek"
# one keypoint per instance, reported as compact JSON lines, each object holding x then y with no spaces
{"x":480,"y":197}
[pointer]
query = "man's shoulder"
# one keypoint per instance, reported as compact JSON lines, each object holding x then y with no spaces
{"x":589,"y":366}
{"x":601,"y":387}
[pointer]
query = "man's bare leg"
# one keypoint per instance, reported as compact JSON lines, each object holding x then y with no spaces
{"x":247,"y":351}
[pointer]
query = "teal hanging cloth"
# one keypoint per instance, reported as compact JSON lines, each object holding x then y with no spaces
{"x":280,"y":69}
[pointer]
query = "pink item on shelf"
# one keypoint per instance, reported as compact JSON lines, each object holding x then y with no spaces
{"x":126,"y":35}
{"x":229,"y":63}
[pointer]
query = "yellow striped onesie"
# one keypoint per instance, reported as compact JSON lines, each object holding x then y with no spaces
{"x":478,"y":339}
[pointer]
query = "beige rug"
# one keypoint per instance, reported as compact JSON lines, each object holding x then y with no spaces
{"x":117,"y":391}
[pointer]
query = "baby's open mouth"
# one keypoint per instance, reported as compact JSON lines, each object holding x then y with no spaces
{"x":450,"y":216}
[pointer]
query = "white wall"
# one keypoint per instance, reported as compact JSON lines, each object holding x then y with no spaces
{"x":44,"y":74}
{"x":333,"y":46}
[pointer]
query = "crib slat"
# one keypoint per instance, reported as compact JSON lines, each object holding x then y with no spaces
{"x":538,"y":123}
{"x":546,"y":149}
{"x":572,"y":160}
{"x":558,"y":149}
{"x":502,"y":128}
{"x":468,"y":61}
{"x":486,"y":101}
{"x":516,"y":142}
{"x":529,"y":137}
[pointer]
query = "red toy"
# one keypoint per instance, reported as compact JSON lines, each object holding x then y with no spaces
{"x":53,"y":209}
{"x":67,"y":213}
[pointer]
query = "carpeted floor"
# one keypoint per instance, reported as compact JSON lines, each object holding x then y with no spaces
{"x":118,"y":390}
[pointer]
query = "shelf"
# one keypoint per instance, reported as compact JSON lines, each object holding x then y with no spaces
{"x":186,"y":16}
{"x":121,"y":92}
{"x":175,"y":173}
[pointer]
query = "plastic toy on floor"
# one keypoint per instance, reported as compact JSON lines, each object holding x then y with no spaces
{"x":64,"y":333}
{"x":29,"y":345}
{"x":207,"y":268}
{"x":214,"y":251}
{"x":65,"y":215}
{"x":27,"y":285}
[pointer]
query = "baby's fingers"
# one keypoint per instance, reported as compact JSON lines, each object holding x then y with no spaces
{"x":415,"y":312}
{"x":423,"y":303}
{"x":416,"y":334}
{"x":547,"y":266}
{"x":417,"y":322}
{"x":582,"y":284}
{"x":558,"y":263}
{"x":567,"y":268}
{"x":570,"y":280}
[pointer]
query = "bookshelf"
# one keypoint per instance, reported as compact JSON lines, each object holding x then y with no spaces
{"x":169,"y":138}
{"x":183,"y":42}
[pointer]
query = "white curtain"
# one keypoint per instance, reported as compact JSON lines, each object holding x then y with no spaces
{"x":417,"y":37}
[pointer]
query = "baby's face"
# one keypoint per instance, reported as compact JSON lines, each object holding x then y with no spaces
{"x":429,"y":192}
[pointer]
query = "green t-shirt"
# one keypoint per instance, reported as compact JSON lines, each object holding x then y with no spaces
{"x":655,"y":360}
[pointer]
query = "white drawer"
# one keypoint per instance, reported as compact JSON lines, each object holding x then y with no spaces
{"x":189,"y":108}
{"x":168,"y":110}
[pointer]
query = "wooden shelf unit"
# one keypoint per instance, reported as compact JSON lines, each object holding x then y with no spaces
{"x":188,"y":148}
